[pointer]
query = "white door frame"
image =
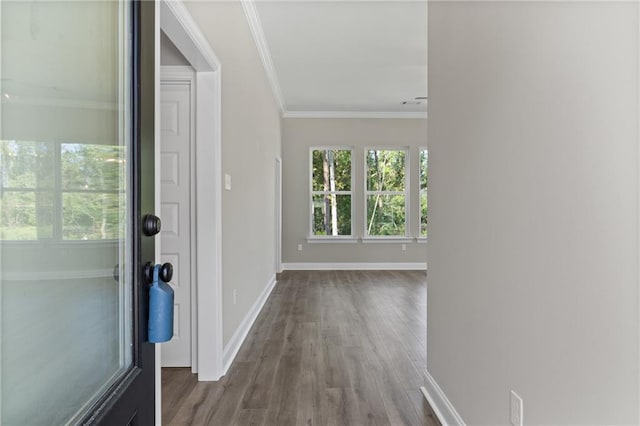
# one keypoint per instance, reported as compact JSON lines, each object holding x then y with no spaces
{"x":278,"y":215}
{"x":172,"y":74}
{"x":176,"y":22}
{"x":638,"y":165}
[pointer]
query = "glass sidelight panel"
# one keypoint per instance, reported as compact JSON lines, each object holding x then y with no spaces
{"x":65,"y":207}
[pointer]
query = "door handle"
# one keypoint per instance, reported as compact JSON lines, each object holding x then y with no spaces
{"x":165,"y":273}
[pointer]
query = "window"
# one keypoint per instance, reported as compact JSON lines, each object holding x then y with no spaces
{"x":61,"y":191}
{"x":386,"y":192}
{"x":331,"y":192}
{"x":424,"y":156}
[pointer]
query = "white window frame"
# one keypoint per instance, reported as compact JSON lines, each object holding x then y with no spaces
{"x":407,"y":212}
{"x":420,"y":238}
{"x":330,"y":238}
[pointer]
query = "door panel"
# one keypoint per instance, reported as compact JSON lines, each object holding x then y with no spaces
{"x":176,"y":210}
{"x":72,"y":308}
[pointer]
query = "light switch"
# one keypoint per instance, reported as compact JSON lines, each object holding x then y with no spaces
{"x":227,"y":182}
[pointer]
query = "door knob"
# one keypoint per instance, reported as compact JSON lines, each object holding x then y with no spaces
{"x":165,"y":273}
{"x":151,"y":225}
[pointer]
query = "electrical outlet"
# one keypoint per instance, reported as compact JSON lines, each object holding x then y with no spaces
{"x":404,"y":247}
{"x":516,"y":409}
{"x":227,"y":182}
{"x":299,"y":247}
{"x":235,"y":296}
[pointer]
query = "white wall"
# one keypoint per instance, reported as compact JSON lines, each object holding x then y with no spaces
{"x":250,"y":143}
{"x":533,"y":239}
{"x":169,"y":53}
{"x":298,"y":136}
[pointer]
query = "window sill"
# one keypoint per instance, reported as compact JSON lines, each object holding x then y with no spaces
{"x":421,"y":240}
{"x":332,"y":240}
{"x":375,"y":240}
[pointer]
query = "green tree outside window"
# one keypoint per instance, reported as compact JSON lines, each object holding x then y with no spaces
{"x":424,"y":180}
{"x":331,"y":192}
{"x":386,"y":192}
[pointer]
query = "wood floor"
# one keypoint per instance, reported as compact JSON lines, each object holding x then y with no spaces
{"x":329,"y":348}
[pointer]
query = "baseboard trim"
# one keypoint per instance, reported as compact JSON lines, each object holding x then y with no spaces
{"x":343,"y":266}
{"x":440,"y":404}
{"x":232,"y":348}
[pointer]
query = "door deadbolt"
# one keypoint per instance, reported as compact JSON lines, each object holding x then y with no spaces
{"x":151,"y":225}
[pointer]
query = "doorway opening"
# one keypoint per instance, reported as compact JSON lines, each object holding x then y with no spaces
{"x":196,"y":85}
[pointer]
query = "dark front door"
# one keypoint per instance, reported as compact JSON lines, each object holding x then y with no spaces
{"x":76,"y":178}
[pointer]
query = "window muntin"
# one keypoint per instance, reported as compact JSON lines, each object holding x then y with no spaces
{"x":386,"y":192}
{"x":331,"y":192}
{"x":424,"y":180}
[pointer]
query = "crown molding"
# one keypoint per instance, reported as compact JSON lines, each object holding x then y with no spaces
{"x":353,"y":114}
{"x":259,"y":38}
{"x":178,"y":24}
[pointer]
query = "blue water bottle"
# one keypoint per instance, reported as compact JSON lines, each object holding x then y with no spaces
{"x":161,"y":305}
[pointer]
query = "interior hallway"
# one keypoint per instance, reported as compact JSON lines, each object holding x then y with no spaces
{"x":329,"y":348}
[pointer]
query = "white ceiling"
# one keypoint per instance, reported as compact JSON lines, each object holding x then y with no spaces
{"x":363,"y":57}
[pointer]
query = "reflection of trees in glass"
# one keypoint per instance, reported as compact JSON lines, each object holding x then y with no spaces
{"x":93,"y":191}
{"x":59,"y":190}
{"x":26,"y":182}
{"x":331,"y":192}
{"x":423,"y":192}
{"x":386,"y":197}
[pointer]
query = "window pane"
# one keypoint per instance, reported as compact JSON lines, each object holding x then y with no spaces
{"x":331,"y":214}
{"x":90,"y":216}
{"x":65,"y":324}
{"x":423,"y":191}
{"x":25,"y":164}
{"x":385,"y":170}
{"x":331,"y":170}
{"x":26,"y":216}
{"x":87,"y":166}
{"x":423,"y":214}
{"x":386,"y":215}
{"x":423,"y":169}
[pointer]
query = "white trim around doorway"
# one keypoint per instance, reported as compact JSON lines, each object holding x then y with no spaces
{"x":177,"y":23}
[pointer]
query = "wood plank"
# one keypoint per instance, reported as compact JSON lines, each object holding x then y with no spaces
{"x":258,"y":392}
{"x":371,"y":405}
{"x":250,"y":417}
{"x":284,"y":394}
{"x":177,"y":382}
{"x":196,"y":406}
{"x":235,"y":384}
{"x":311,"y":378}
{"x":340,"y":407}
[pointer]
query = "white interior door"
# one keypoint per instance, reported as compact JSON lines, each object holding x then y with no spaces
{"x":175,"y":206}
